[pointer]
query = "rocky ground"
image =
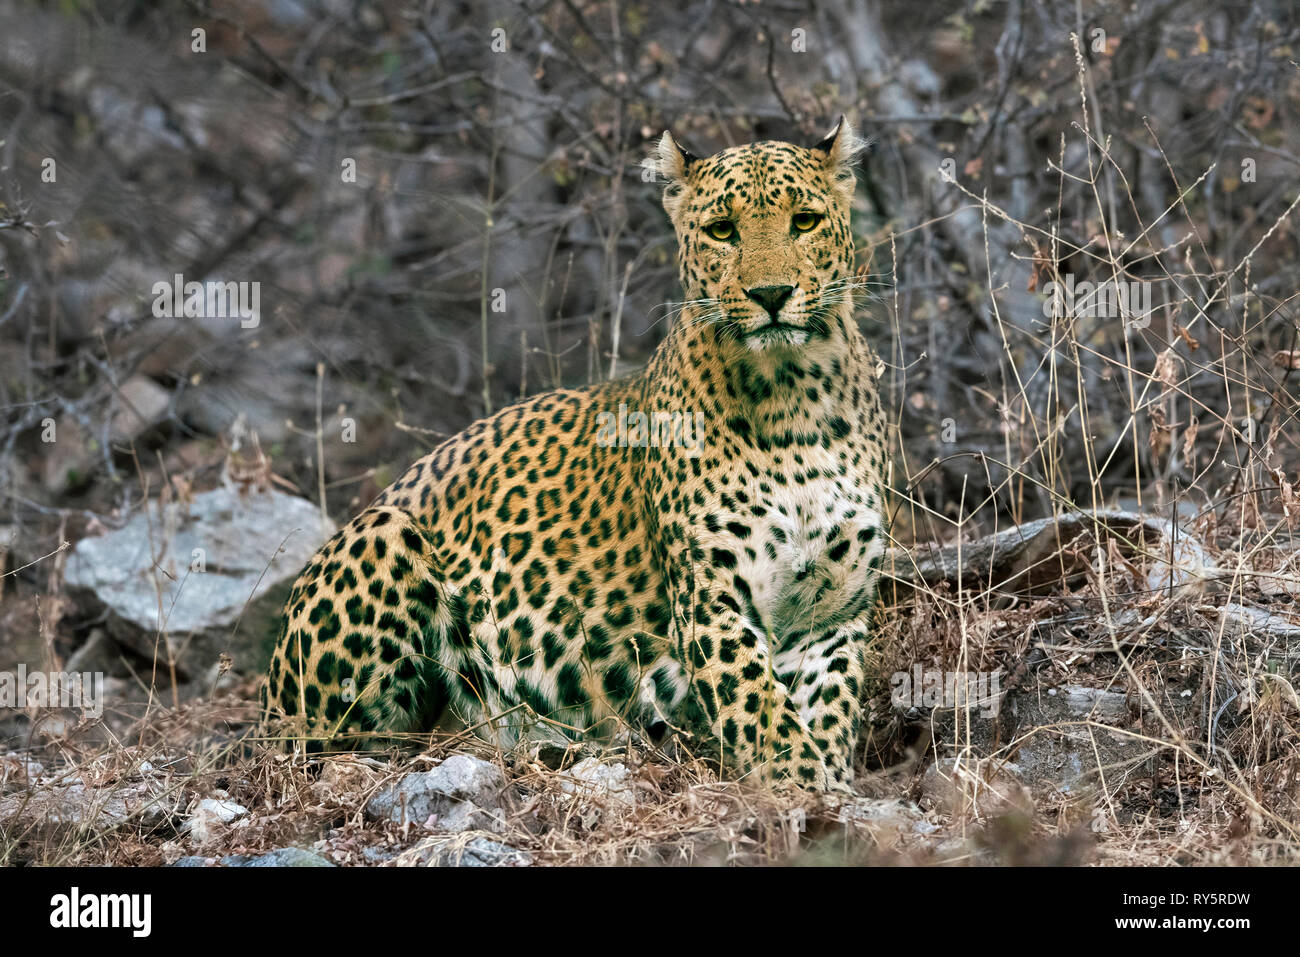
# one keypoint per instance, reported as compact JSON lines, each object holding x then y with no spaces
{"x":1116,"y":724}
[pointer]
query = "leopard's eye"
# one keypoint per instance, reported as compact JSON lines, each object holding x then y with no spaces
{"x":805,"y":221}
{"x":723,"y":230}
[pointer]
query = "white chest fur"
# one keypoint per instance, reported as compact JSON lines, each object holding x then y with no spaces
{"x":808,"y":556}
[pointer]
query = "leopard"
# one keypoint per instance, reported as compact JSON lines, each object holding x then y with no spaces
{"x":690,"y":550}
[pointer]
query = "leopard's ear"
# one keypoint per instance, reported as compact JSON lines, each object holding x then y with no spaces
{"x":841,"y":147}
{"x":672,"y":160}
{"x":672,"y":163}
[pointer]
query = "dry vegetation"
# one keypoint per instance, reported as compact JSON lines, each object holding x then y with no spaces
{"x":1141,"y":470}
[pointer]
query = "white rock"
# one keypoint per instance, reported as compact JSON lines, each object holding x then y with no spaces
{"x":223,"y":811}
{"x":609,"y":783}
{"x":210,"y":817}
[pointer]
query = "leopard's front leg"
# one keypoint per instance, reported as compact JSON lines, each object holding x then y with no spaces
{"x":729,"y":665}
{"x":824,"y":671}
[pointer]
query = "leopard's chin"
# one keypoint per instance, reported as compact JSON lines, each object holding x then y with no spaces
{"x":775,"y":334}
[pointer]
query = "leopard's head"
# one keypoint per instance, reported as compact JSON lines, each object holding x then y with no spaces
{"x":764,"y":245}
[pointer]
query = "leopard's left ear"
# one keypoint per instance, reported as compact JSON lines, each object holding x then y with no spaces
{"x":841,"y":147}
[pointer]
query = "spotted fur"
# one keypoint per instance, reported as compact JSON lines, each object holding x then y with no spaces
{"x":526,"y":577}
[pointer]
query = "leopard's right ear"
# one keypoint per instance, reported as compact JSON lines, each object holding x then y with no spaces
{"x":672,"y":162}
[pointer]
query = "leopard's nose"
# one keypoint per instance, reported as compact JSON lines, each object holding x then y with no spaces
{"x":771,"y":298}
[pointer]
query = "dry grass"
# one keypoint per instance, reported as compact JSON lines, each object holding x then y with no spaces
{"x":1217,"y":782}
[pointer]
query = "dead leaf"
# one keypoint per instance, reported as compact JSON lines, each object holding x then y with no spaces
{"x":1187,"y":338}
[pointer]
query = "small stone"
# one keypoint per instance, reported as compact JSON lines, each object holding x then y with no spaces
{"x":424,"y":794}
{"x":610,"y":783}
{"x":378,"y":855}
{"x":141,"y":402}
{"x":479,"y":852}
{"x":888,"y":821}
{"x":280,"y":857}
{"x":223,"y":811}
{"x":98,"y":654}
{"x":210,"y":817}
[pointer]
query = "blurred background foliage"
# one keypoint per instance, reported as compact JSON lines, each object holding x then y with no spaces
{"x":497,"y":148}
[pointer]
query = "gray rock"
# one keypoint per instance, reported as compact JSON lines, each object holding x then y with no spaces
{"x":280,"y":857}
{"x":479,"y":852}
{"x":920,"y":78}
{"x":220,"y":559}
{"x":468,"y":816}
{"x":1250,"y":621}
{"x":259,"y":390}
{"x":378,"y":855}
{"x":97,"y":654}
{"x":143,"y":806}
{"x":138,"y":404}
{"x":459,"y":780}
{"x":192,"y":860}
{"x":1065,"y":742}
